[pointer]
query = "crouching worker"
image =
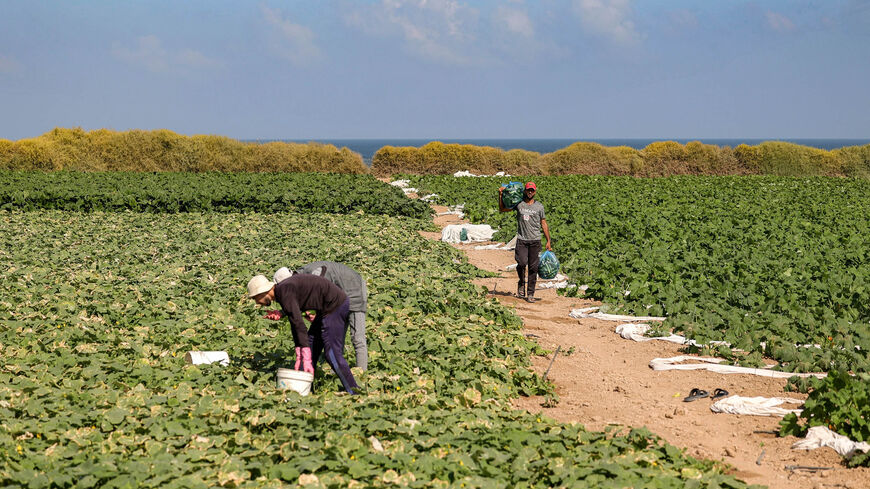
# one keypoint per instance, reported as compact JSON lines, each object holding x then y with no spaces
{"x":310,"y":292}
{"x":352,"y":283}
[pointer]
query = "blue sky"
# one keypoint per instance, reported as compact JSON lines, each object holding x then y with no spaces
{"x":582,"y":69}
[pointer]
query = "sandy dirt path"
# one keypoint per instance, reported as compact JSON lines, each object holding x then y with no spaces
{"x":607,"y":380}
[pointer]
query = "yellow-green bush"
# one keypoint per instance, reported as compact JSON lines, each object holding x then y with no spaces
{"x":854,"y":160}
{"x":439,"y":158}
{"x":788,"y":159}
{"x":163,"y":150}
{"x":660,"y":158}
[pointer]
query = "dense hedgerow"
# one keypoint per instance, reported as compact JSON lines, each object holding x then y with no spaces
{"x":660,"y":158}
{"x":165,"y":192}
{"x":162,"y":150}
{"x":438,"y":158}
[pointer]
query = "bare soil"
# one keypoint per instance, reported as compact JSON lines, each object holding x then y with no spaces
{"x":607,"y":380}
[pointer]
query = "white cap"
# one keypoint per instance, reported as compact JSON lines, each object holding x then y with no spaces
{"x":281,"y":274}
{"x":258,"y":285}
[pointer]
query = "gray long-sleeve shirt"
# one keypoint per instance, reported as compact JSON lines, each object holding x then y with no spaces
{"x":346,"y":278}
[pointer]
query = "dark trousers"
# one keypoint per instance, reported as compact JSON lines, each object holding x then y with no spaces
{"x":327,"y":333}
{"x":526,"y":254}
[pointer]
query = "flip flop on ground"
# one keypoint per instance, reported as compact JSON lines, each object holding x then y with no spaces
{"x":718,"y":393}
{"x":696,"y":394}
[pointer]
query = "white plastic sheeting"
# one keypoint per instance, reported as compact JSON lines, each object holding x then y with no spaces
{"x":510,"y":245}
{"x":592,"y":312}
{"x":820,"y":436}
{"x":476,"y":232}
{"x":636,"y":332}
{"x":755,"y":406}
{"x":403,"y":184}
{"x":207,"y":357}
{"x":456,"y":210}
{"x":713,"y":365}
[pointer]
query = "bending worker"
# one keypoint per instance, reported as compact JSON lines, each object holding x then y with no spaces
{"x":530,"y":223}
{"x":352,"y":283}
{"x":307,"y":293}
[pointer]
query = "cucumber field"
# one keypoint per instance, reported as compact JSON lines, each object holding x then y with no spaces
{"x":99,"y":306}
{"x":108,"y":281}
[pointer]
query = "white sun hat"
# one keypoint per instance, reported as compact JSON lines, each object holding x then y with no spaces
{"x":258,"y":285}
{"x":281,"y":274}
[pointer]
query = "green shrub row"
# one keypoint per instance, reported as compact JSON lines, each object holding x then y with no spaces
{"x":660,"y":158}
{"x":165,"y":192}
{"x":162,"y":150}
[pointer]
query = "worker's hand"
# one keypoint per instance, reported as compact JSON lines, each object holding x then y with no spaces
{"x":310,"y":316}
{"x":549,"y":248}
{"x":274,"y":315}
{"x":298,"y":358}
{"x":307,"y":366}
{"x":500,"y":189}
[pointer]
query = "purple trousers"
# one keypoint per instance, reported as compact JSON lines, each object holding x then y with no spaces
{"x":327,"y":333}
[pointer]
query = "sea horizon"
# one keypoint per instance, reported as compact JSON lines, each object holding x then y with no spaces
{"x":367,"y":147}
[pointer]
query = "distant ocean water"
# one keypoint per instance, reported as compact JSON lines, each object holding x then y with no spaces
{"x":368,"y":147}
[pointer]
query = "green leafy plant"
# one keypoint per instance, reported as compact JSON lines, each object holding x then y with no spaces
{"x":840,"y":402}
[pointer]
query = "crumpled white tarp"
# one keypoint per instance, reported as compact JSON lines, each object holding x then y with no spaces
{"x":476,"y":232}
{"x":553,"y":284}
{"x":456,"y":210}
{"x":403,"y":184}
{"x":755,"y":406}
{"x":466,"y":173}
{"x":428,"y":198}
{"x":712,"y":364}
{"x":207,"y":357}
{"x":591,"y":312}
{"x":636,"y":332}
{"x":510,"y":245}
{"x":558,"y":282}
{"x":820,"y":436}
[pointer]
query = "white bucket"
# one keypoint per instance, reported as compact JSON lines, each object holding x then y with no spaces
{"x":206,"y":357}
{"x":297,"y":380}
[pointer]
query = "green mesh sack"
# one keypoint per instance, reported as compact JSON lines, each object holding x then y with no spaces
{"x":512,"y":194}
{"x":549,"y":266}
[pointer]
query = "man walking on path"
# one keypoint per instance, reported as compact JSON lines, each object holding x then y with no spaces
{"x":352,"y":283}
{"x":530,"y":222}
{"x":307,"y":293}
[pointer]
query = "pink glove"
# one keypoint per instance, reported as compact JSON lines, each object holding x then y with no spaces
{"x":298,"y":358}
{"x":307,"y":366}
{"x":274,"y":315}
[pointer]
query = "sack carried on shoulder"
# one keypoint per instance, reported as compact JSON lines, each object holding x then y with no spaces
{"x":549,"y":266}
{"x":512,"y":194}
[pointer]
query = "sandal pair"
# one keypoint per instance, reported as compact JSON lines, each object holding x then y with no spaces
{"x":696,"y":394}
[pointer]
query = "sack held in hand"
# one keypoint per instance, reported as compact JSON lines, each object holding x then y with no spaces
{"x":549,"y":266}
{"x":512,"y":194}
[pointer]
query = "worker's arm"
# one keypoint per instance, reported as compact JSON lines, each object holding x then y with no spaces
{"x":501,"y":207}
{"x":294,"y":315}
{"x":546,"y":230}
